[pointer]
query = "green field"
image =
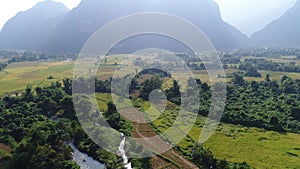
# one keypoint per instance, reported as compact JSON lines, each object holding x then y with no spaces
{"x":235,"y":143}
{"x":258,"y":147}
{"x":18,"y":75}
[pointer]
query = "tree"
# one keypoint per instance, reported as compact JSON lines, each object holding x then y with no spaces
{"x":173,"y":94}
{"x":238,"y":80}
{"x":242,"y":165}
{"x":42,"y":149}
{"x":252,"y":72}
{"x":148,"y":86}
{"x":268,"y":78}
{"x":115,"y":120}
{"x":67,"y":85}
{"x":203,"y":158}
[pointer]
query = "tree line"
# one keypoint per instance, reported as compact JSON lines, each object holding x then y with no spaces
{"x":262,"y":64}
{"x":29,"y":56}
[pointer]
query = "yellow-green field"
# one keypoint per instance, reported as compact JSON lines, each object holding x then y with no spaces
{"x":282,"y":59}
{"x":235,"y":143}
{"x":258,"y":147}
{"x":18,"y":75}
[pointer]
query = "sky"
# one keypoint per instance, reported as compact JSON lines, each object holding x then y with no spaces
{"x":246,"y":15}
{"x":252,"y":15}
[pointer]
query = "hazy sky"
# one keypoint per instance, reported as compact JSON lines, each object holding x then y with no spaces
{"x":251,"y":15}
{"x":247,"y":15}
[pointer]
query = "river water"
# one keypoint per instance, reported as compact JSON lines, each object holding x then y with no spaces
{"x":85,"y":161}
{"x":123,"y":153}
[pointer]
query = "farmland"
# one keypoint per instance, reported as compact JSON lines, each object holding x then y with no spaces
{"x":18,"y":75}
{"x":260,"y":148}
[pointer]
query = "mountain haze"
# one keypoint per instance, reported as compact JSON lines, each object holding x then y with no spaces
{"x":282,"y":32}
{"x":91,"y":15}
{"x":69,"y":32}
{"x":30,"y":29}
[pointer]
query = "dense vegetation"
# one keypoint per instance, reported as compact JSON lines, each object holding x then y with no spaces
{"x":34,"y":138}
{"x":267,"y":52}
{"x":262,"y":64}
{"x":27,"y":128}
{"x":268,"y":104}
{"x":39,"y":142}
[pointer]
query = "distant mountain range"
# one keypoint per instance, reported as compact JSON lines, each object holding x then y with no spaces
{"x":68,"y":31}
{"x":30,"y":29}
{"x":50,"y":26}
{"x":90,"y":15}
{"x":284,"y":32}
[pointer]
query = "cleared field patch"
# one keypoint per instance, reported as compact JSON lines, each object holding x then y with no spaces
{"x":204,"y":76}
{"x":278,"y":75}
{"x":282,"y":59}
{"x":5,"y":148}
{"x":3,"y":60}
{"x":18,"y":75}
{"x":258,"y":147}
{"x":2,"y":74}
{"x":289,"y":57}
{"x":102,"y":100}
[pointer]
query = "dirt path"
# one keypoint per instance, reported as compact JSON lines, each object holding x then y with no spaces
{"x":144,"y":130}
{"x":4,"y":74}
{"x":5,"y":148}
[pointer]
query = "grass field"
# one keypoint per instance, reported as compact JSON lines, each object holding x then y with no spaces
{"x":258,"y":147}
{"x":18,"y":75}
{"x":235,"y":143}
{"x":282,"y":59}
